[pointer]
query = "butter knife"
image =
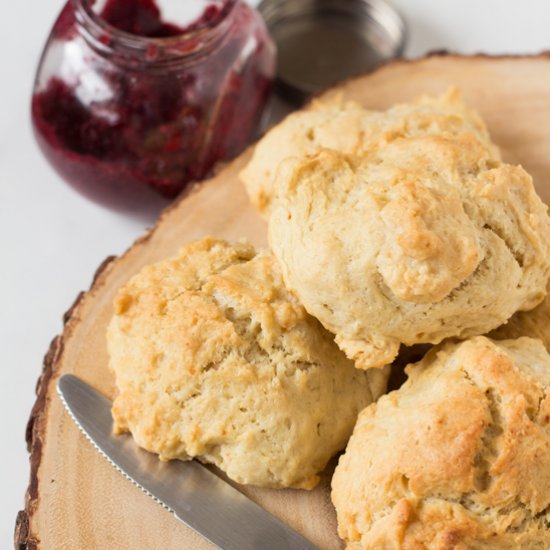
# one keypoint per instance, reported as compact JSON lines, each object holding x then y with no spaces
{"x":196,"y":496}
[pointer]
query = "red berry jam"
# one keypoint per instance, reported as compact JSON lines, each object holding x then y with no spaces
{"x":128,"y":106}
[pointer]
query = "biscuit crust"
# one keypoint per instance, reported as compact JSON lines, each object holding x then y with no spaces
{"x":215,"y":359}
{"x":423,"y":237}
{"x":458,"y":458}
{"x":349,"y":128}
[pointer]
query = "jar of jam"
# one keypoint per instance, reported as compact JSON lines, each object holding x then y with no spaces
{"x":128,"y":107}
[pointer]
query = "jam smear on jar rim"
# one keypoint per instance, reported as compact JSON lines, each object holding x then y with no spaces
{"x":124,"y":130}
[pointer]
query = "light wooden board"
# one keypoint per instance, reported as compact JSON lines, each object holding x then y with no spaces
{"x":75,"y":498}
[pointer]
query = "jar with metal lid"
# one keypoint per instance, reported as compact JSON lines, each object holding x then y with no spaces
{"x":127,"y":107}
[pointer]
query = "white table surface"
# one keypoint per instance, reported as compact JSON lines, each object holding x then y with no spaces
{"x":53,"y":239}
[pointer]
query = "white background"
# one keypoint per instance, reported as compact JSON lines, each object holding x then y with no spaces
{"x":52,"y":240}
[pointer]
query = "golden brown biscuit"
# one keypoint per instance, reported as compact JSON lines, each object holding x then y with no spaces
{"x":534,"y":323}
{"x":426,"y":238}
{"x":215,"y":359}
{"x":458,"y":458}
{"x":349,"y":128}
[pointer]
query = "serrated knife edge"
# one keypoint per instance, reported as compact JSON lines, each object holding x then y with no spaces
{"x":196,"y":496}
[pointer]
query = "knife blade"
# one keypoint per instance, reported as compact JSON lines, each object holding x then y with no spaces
{"x":196,"y":496}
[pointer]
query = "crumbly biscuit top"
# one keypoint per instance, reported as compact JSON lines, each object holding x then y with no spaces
{"x":349,"y":128}
{"x":458,"y":458}
{"x":215,"y":359}
{"x":424,"y":238}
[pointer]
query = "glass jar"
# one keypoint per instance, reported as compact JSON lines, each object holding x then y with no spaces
{"x":127,"y":107}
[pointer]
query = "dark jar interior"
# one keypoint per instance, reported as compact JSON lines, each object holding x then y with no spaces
{"x":129,"y":108}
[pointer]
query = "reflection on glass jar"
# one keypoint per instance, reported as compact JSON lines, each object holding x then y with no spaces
{"x":127,"y":107}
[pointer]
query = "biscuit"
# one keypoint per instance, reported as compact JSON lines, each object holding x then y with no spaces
{"x":426,"y":238}
{"x":457,"y":458}
{"x":349,"y":128}
{"x":534,"y":323}
{"x":215,"y":359}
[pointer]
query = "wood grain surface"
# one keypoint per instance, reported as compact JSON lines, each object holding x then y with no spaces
{"x":75,"y":499}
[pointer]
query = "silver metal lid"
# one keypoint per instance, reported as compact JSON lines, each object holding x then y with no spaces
{"x":321,"y":42}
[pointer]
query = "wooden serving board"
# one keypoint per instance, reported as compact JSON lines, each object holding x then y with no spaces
{"x":75,"y":499}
